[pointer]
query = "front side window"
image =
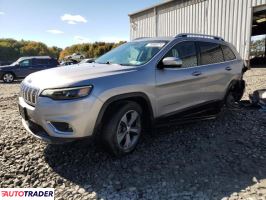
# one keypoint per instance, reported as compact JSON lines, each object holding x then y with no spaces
{"x":228,"y":53}
{"x":186,"y":51}
{"x":132,"y":53}
{"x":25,"y":63}
{"x":210,"y":53}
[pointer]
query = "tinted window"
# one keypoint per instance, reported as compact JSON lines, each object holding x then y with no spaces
{"x":53,"y":62}
{"x":186,"y":51}
{"x":228,"y":53}
{"x":41,"y":62}
{"x":25,"y":63}
{"x":210,"y":53}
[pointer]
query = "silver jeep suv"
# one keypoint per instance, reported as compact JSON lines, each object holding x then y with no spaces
{"x":132,"y":89}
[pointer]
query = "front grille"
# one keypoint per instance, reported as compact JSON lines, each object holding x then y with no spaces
{"x":29,"y":94}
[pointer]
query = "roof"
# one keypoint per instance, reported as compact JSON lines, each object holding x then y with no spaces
{"x":27,"y":57}
{"x":185,"y":37}
{"x":151,"y":7}
{"x":154,"y":39}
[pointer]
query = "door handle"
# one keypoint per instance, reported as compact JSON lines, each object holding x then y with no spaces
{"x":228,"y":68}
{"x":196,"y":73}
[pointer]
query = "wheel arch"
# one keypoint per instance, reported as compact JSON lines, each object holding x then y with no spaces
{"x":238,"y":86}
{"x":11,"y":72}
{"x":114,"y":102}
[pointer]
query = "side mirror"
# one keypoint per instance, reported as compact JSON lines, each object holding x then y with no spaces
{"x":172,"y":62}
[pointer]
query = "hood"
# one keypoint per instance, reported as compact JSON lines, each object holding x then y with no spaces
{"x":5,"y":66}
{"x":72,"y":75}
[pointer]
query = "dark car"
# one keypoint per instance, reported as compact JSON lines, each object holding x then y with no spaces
{"x":25,"y":66}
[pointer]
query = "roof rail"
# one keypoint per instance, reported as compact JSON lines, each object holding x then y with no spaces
{"x":140,"y":38}
{"x":199,"y":36}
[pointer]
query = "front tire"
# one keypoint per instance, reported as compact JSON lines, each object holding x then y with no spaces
{"x":8,"y":77}
{"x":122,"y":129}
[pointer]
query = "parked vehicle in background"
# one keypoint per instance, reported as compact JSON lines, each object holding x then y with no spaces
{"x":75,"y":56}
{"x":68,"y":62}
{"x":128,"y":89}
{"x":25,"y":66}
{"x":87,"y":60}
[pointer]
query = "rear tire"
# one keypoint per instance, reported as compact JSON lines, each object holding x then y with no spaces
{"x":122,"y":129}
{"x":230,"y":101}
{"x":235,"y":94}
{"x":8,"y":77}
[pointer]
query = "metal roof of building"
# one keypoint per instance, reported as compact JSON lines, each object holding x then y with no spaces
{"x":151,"y":7}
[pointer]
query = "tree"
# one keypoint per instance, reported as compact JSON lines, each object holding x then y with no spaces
{"x":257,"y":47}
{"x":89,"y":50}
{"x":11,"y":50}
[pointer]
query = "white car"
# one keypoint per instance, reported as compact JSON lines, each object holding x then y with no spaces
{"x":87,"y":60}
{"x":76,"y":56}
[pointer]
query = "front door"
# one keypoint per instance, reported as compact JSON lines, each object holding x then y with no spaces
{"x":180,"y":88}
{"x":25,"y":68}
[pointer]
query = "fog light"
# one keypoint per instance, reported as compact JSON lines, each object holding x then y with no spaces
{"x":62,"y":126}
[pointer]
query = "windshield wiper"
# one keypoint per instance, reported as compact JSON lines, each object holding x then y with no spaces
{"x":127,"y":64}
{"x":107,"y":63}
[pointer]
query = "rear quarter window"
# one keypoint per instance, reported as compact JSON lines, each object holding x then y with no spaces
{"x":210,"y":53}
{"x":228,"y":53}
{"x":53,"y":62}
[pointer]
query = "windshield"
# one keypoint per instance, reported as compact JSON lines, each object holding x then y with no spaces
{"x":132,"y":53}
{"x":17,"y":62}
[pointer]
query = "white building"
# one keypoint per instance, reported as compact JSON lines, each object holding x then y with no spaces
{"x":234,"y":20}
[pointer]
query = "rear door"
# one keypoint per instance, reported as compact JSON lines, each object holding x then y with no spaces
{"x":214,"y":69}
{"x":40,"y":64}
{"x":180,"y":88}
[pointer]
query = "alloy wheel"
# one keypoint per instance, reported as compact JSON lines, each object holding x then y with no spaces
{"x":128,"y":130}
{"x":8,"y":78}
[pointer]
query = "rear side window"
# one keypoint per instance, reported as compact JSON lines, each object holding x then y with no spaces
{"x":186,"y":51}
{"x":228,"y":53}
{"x":40,"y":62}
{"x":210,"y":53}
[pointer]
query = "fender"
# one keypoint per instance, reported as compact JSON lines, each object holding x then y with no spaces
{"x":126,"y":96}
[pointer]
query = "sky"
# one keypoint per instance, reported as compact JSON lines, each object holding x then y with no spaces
{"x":65,"y":22}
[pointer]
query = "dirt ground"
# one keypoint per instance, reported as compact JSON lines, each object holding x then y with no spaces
{"x":223,"y":158}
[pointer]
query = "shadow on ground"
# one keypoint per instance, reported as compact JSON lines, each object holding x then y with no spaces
{"x":211,"y":159}
{"x":14,"y":82}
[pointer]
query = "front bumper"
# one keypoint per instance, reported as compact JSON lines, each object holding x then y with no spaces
{"x":38,"y":132}
{"x":80,"y":114}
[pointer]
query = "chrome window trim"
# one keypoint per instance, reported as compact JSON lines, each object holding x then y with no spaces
{"x":181,"y":68}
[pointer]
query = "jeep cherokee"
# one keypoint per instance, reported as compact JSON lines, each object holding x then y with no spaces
{"x":132,"y":88}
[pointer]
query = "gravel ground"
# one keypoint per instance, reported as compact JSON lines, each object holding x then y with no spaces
{"x":223,"y":158}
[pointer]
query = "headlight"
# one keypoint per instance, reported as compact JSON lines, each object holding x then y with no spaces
{"x":67,"y":93}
